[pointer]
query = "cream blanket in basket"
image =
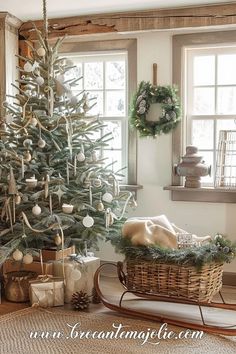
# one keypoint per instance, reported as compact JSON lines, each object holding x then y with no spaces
{"x":155,"y":230}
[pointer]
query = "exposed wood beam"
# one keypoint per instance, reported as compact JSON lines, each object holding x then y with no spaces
{"x":182,"y":17}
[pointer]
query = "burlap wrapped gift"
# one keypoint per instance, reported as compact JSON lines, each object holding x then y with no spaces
{"x":47,"y":291}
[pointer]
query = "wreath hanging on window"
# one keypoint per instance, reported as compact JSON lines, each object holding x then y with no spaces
{"x":148,"y":94}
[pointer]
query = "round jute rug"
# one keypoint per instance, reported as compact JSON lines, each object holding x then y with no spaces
{"x":57,"y":331}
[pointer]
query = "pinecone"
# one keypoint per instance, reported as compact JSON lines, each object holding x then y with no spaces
{"x":95,"y":298}
{"x":80,"y":300}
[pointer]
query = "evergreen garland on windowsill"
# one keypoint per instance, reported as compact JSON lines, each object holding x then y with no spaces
{"x":219,"y":250}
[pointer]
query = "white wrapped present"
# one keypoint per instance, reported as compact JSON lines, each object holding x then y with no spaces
{"x":47,"y":291}
{"x":79,"y":274}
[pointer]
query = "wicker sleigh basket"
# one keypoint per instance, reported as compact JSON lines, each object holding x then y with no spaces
{"x":183,"y":282}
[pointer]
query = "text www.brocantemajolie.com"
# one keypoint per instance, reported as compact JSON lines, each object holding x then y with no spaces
{"x":118,"y":331}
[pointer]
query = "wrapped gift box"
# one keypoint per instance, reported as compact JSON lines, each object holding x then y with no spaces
{"x":50,"y":254}
{"x":47,"y":292}
{"x":79,"y":274}
{"x":12,"y":266}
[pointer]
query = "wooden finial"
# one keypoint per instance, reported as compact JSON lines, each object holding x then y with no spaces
{"x":154,"y":79}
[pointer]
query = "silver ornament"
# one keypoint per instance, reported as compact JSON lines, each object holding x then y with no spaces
{"x":27,"y":142}
{"x":28,"y":67}
{"x":81,"y":156}
{"x":41,"y":143}
{"x":40,"y":80}
{"x":41,"y":52}
{"x":88,"y":221}
{"x":36,"y":210}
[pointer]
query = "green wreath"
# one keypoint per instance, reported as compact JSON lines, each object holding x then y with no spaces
{"x":148,"y":94}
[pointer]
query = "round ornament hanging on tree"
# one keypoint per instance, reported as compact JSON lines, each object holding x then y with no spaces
{"x":57,"y":240}
{"x":36,"y":210}
{"x":27,"y":259}
{"x":97,"y":182}
{"x":27,"y":143}
{"x":100,"y":206}
{"x":28,"y":156}
{"x":17,"y":255}
{"x":81,"y":156}
{"x":40,"y":80}
{"x":33,"y":121}
{"x":41,"y":52}
{"x":107,"y":197}
{"x":41,"y":143}
{"x":147,"y":95}
{"x":28,"y":67}
{"x":88,"y":221}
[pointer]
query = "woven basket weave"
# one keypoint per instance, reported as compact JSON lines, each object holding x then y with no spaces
{"x":184,"y":282}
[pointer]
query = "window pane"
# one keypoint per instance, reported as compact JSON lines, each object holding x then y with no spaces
{"x":226,"y":100}
{"x":204,"y":101}
{"x":204,"y":70}
{"x":115,"y":103}
{"x":202,"y":133}
{"x":224,"y":124}
{"x":115,"y":75}
{"x":73,"y":74}
{"x":113,"y":127}
{"x":208,"y":158}
{"x":115,"y":157}
{"x":98,"y":107}
{"x":226,"y":69}
{"x":93,"y":76}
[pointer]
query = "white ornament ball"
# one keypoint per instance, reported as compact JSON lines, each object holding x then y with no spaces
{"x":107,"y":197}
{"x":41,"y":143}
{"x":18,"y":199}
{"x":33,"y":122}
{"x":36,"y":210}
{"x":75,"y":274}
{"x":28,"y":259}
{"x":17,"y":255}
{"x":28,"y":67}
{"x":41,"y":52}
{"x":97,"y":182}
{"x":27,"y":142}
{"x":40,"y":80}
{"x":88,"y":221}
{"x":81,"y":156}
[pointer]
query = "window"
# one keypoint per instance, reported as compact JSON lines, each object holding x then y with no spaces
{"x":210,"y":105}
{"x":108,"y":71}
{"x":203,"y":70}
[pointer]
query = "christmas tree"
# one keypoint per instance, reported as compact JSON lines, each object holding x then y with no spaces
{"x":55,"y":187}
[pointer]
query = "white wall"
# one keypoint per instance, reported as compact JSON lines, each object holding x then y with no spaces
{"x":154,"y":172}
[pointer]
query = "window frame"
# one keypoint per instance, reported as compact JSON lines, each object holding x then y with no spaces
{"x":130,"y":46}
{"x":178,"y":191}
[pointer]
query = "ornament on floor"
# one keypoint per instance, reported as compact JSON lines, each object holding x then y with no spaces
{"x":28,"y":258}
{"x":57,"y":240}
{"x":107,"y":197}
{"x":95,"y":297}
{"x":36,"y":210}
{"x":41,"y":52}
{"x":80,"y":300}
{"x":88,"y":221}
{"x":17,"y":255}
{"x":67,"y":208}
